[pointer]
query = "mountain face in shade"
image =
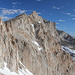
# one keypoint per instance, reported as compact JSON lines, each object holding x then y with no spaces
{"x":66,"y":39}
{"x":30,"y":45}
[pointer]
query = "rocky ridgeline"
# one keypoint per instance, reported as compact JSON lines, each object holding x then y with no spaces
{"x":36,"y":43}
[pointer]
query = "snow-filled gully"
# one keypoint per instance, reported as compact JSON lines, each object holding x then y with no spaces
{"x":70,"y":51}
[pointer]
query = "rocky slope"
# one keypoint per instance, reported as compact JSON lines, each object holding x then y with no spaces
{"x":66,"y":39}
{"x":28,"y":42}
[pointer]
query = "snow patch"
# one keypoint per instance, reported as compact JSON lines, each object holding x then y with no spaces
{"x":39,"y":21}
{"x":32,"y":25}
{"x":22,"y":64}
{"x":6,"y":71}
{"x":26,"y":72}
{"x":70,"y":51}
{"x":36,"y":43}
{"x":39,"y":48}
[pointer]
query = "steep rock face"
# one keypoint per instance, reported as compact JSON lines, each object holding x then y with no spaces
{"x":66,"y":39}
{"x":34,"y":42}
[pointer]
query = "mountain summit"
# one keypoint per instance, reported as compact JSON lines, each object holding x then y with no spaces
{"x":30,"y":45}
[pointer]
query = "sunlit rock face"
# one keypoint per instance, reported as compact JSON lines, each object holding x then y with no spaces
{"x":28,"y":42}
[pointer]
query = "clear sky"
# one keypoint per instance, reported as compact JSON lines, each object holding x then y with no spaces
{"x":60,"y":11}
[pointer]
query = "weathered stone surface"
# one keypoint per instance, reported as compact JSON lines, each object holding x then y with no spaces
{"x":36,"y":43}
{"x":66,"y":39}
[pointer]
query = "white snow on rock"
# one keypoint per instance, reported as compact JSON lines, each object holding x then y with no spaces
{"x":6,"y":71}
{"x":22,"y":64}
{"x":39,"y":21}
{"x":32,"y":25}
{"x":24,"y":70}
{"x":70,"y":51}
{"x":39,"y":48}
{"x":36,"y":43}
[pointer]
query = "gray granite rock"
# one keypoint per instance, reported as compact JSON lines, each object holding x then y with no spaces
{"x":36,"y":43}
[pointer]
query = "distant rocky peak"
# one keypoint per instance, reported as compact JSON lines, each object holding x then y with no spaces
{"x":34,"y":13}
{"x":36,"y":17}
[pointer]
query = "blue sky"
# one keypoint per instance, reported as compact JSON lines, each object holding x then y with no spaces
{"x":60,"y":11}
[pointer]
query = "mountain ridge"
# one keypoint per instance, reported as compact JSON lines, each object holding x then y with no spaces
{"x":28,"y":41}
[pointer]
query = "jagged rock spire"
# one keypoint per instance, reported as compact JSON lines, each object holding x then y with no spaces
{"x":36,"y":17}
{"x":34,"y":13}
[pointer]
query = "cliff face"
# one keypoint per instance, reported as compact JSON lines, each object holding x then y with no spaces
{"x":28,"y":41}
{"x":66,"y":39}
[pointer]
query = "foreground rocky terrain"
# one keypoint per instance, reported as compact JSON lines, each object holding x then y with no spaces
{"x":30,"y":45}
